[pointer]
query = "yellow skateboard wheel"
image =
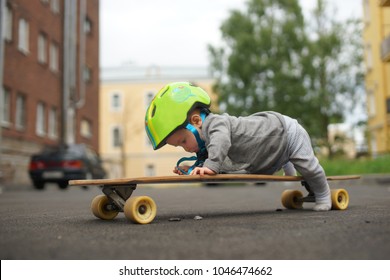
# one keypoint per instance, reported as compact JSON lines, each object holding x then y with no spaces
{"x":140,"y":209}
{"x":99,"y":208}
{"x":290,"y":199}
{"x":340,"y":199}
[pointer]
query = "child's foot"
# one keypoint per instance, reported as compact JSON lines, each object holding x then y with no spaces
{"x":322,"y":207}
{"x":323,"y":201}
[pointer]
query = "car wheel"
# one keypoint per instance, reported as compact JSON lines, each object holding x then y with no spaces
{"x":39,"y":185}
{"x":63,"y":185}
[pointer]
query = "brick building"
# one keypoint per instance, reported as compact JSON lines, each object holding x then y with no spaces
{"x":49,"y":77}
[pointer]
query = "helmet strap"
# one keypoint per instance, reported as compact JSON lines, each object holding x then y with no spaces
{"x":190,"y":127}
{"x":202,"y":154}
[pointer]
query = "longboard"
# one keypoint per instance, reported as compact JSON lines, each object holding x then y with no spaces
{"x":142,"y":209}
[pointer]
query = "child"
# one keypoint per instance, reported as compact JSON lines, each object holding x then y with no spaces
{"x":262,"y":143}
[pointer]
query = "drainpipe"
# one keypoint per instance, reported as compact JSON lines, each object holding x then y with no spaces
{"x":65,"y":75}
{"x":69,"y":73}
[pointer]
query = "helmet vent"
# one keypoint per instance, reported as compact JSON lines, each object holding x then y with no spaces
{"x":165,"y":91}
{"x":153,"y":111}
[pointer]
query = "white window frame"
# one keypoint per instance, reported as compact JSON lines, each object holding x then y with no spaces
{"x":6,"y":108}
{"x":53,"y":54}
{"x":20,"y":112}
{"x":369,"y":60}
{"x":371,"y":103}
{"x":42,"y":49}
{"x":55,"y":6}
{"x":87,"y":25}
{"x":116,"y":101}
{"x":148,"y":97}
{"x":87,"y":74}
{"x":53,"y":124}
{"x":86,"y":128}
{"x":23,"y":36}
{"x":150,"y":170}
{"x":367,"y":12}
{"x":40,"y":119}
{"x":116,"y":139}
{"x":8,"y":23}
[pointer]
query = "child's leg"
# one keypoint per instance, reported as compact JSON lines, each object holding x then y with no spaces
{"x":320,"y":188}
{"x":306,"y":163}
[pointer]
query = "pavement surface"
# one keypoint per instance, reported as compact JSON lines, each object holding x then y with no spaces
{"x":232,"y":222}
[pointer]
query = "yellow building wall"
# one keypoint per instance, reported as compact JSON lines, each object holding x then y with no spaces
{"x":376,"y":29}
{"x":136,"y":157}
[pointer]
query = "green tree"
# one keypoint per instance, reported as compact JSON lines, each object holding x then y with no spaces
{"x":258,"y":68}
{"x":333,"y":71}
{"x":272,"y":59}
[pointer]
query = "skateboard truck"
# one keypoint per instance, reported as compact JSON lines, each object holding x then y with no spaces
{"x":117,"y":198}
{"x":118,"y":195}
{"x":310,"y":196}
{"x":294,"y":199}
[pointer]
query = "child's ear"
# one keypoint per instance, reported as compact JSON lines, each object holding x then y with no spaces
{"x":196,"y":120}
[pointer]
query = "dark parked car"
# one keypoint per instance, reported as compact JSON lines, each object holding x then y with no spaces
{"x":63,"y":163}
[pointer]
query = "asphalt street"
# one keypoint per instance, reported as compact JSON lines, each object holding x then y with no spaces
{"x":233,"y":222}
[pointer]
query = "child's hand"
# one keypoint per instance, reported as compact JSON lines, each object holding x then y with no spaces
{"x":182,"y":167}
{"x":202,"y":171}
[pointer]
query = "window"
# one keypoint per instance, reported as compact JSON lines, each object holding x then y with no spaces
{"x":40,"y":119}
{"x":366,"y":12}
{"x":87,"y":26}
{"x":23,"y":36}
{"x":116,"y":137}
{"x":86,"y":128}
{"x":150,"y":170}
{"x":53,"y":53}
{"x":55,"y":6}
{"x":388,"y":105}
{"x":6,"y":110}
{"x":42,"y":54}
{"x":87,"y":74}
{"x":8,"y":24}
{"x":147,"y":141}
{"x":371,"y":103}
{"x":20,"y":118}
{"x":148,"y":98}
{"x":53,"y":125}
{"x":116,"y":101}
{"x":369,"y":57}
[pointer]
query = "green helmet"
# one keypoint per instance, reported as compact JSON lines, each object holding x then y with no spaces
{"x":169,"y":110}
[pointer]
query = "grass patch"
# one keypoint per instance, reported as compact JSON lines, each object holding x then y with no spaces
{"x":380,"y":165}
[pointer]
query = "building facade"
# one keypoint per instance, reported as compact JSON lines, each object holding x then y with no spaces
{"x":125,"y":94}
{"x":377,"y":58}
{"x":50,"y":79}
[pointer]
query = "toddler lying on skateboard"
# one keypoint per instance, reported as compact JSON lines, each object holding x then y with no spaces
{"x":262,"y":143}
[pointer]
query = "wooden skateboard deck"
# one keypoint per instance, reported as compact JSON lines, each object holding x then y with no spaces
{"x":142,"y":209}
{"x":197,"y":179}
